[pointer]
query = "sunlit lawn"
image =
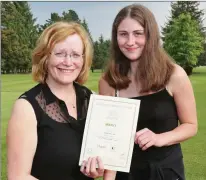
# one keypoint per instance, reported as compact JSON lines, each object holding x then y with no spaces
{"x":194,"y":150}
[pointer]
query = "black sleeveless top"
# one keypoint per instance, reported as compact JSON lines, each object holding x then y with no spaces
{"x":59,"y":135}
{"x":157,"y":113}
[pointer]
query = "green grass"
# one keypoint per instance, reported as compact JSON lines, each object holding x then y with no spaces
{"x":194,"y":150}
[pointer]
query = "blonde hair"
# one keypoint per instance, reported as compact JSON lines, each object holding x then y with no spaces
{"x":52,"y":35}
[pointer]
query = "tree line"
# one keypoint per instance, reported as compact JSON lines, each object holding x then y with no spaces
{"x":184,"y":36}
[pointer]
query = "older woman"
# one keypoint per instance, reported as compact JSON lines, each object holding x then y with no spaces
{"x":47,"y":122}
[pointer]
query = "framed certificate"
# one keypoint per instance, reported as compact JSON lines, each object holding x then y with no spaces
{"x":110,"y":131}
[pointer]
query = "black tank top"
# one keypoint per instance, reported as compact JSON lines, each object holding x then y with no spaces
{"x":59,"y":135}
{"x":157,"y":113}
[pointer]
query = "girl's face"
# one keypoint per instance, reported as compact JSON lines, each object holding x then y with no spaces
{"x":66,"y":60}
{"x":131,"y":38}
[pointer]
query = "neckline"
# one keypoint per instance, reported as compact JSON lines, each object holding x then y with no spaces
{"x":149,"y":95}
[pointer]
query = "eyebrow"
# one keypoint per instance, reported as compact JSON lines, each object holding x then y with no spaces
{"x":64,"y":50}
{"x":139,"y":30}
{"x":61,"y":50}
{"x":73,"y":51}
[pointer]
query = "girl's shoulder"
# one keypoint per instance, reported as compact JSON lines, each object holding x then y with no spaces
{"x":105,"y":88}
{"x":178,"y":78}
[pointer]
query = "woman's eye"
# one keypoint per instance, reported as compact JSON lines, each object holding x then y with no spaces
{"x":76,"y":55}
{"x":123,"y":34}
{"x":60,"y":54}
{"x":138,"y":33}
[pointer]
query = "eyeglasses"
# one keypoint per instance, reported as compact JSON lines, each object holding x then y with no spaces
{"x":73,"y":56}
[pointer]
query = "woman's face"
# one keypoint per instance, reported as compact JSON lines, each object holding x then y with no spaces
{"x":131,"y":38}
{"x":66,"y":61}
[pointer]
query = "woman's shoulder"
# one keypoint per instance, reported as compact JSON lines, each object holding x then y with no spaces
{"x":178,"y":71}
{"x":27,"y":100}
{"x":178,"y":78}
{"x":105,"y":88}
{"x":178,"y":75}
{"x":32,"y":91}
{"x":22,"y":112}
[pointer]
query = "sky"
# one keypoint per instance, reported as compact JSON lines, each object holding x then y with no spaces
{"x":100,"y":15}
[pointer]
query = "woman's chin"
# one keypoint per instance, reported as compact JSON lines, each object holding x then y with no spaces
{"x":65,"y":81}
{"x":133,"y":58}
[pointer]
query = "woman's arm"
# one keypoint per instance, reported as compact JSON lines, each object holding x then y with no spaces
{"x":180,"y":88}
{"x":109,"y":175}
{"x":21,"y":141}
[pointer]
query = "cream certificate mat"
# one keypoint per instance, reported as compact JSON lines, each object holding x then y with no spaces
{"x":110,"y":131}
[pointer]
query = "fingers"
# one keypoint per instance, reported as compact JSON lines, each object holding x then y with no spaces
{"x":83,"y":167}
{"x":93,"y":170}
{"x":100,"y":166}
{"x":143,"y":142}
{"x":142,"y":138}
{"x":147,"y":145}
{"x":140,"y":132}
{"x":89,"y":167}
{"x":145,"y":138}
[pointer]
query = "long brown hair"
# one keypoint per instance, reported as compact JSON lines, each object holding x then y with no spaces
{"x":155,"y":66}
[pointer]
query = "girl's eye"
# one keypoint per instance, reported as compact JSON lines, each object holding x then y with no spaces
{"x":138,"y":33}
{"x":123,"y":34}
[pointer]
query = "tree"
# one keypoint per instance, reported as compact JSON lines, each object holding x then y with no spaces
{"x":101,"y":53}
{"x":202,"y":58}
{"x":183,"y":41}
{"x":191,"y":7}
{"x":6,"y":36}
{"x":54,"y":17}
{"x":96,"y":56}
{"x":18,"y":36}
{"x":85,"y":25}
{"x":71,"y":15}
{"x":68,"y":16}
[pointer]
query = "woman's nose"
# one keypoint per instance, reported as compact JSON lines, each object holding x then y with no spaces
{"x":68,"y":60}
{"x":131,"y":40}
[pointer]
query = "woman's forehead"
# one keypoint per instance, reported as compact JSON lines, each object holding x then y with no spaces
{"x":129,"y":24}
{"x":71,"y":42}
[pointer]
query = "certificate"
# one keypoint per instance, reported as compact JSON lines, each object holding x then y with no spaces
{"x":110,"y":131}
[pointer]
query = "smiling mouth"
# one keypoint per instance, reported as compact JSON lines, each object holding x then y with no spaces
{"x":131,"y":49}
{"x":66,"y":70}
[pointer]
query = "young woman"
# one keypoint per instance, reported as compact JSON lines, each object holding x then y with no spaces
{"x":139,"y":68}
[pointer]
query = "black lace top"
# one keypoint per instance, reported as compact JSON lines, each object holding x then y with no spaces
{"x":59,"y":134}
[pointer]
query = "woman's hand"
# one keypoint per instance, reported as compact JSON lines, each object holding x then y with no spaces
{"x":146,"y":138}
{"x":93,"y":167}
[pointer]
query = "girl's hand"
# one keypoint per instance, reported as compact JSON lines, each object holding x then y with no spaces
{"x":146,"y":138}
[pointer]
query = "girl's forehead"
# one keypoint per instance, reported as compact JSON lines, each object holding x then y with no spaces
{"x":129,"y":23}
